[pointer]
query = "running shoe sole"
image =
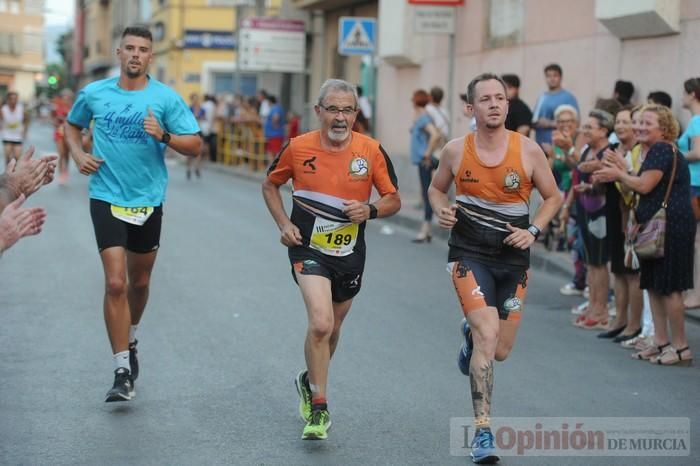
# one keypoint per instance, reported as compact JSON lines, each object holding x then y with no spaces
{"x":490,"y":459}
{"x":118,"y":396}
{"x":313,"y":436}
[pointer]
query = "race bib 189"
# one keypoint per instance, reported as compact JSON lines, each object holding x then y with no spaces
{"x":334,"y":238}
{"x":133,"y":215}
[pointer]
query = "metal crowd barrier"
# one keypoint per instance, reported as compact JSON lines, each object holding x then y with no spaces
{"x":242,"y":144}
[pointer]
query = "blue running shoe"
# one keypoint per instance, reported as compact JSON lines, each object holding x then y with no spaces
{"x":483,"y":449}
{"x":465,"y":352}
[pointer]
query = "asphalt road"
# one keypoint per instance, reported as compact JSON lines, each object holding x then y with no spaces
{"x":222,"y":340}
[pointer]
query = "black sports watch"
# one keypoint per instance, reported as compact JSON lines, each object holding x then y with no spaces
{"x":372,"y":211}
{"x":166,"y":137}
{"x":534,"y":231}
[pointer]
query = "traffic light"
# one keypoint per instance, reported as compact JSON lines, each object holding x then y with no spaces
{"x":52,"y":80}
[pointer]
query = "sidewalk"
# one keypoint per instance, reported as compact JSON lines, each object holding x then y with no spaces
{"x":555,"y":263}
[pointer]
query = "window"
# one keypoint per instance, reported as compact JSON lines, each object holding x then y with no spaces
{"x":34,"y":7}
{"x":32,"y":42}
{"x":505,"y":23}
{"x":15,"y":7}
{"x":3,"y":6}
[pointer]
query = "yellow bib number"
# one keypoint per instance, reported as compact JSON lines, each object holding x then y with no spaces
{"x":334,"y":238}
{"x":133,"y":215}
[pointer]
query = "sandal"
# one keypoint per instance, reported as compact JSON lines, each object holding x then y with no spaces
{"x":591,"y":324}
{"x":672,"y":356}
{"x":650,"y":352}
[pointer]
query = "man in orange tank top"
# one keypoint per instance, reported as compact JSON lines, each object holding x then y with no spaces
{"x":494,"y":171}
{"x":333,"y":171}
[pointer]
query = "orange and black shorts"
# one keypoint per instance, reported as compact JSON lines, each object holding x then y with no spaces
{"x":345,"y":275}
{"x":479,"y":285}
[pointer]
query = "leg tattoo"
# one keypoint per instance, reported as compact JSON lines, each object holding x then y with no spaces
{"x":481,"y":379}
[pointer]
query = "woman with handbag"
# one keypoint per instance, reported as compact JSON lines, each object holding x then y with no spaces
{"x":591,"y":218}
{"x":663,"y":184}
{"x":689,"y":145}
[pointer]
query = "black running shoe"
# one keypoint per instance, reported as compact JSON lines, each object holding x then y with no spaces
{"x":133,"y":360}
{"x":123,"y":389}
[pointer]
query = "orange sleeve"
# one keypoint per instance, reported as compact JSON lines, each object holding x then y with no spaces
{"x":383,"y":175}
{"x":282,"y":168}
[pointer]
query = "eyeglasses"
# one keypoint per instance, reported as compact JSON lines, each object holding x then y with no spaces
{"x":346,"y":111}
{"x":565,"y":122}
{"x":589,"y":127}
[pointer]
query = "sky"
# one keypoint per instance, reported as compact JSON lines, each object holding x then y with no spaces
{"x":58,"y":18}
{"x":59,"y":12}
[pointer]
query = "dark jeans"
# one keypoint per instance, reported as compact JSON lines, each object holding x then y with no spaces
{"x":425,"y":174}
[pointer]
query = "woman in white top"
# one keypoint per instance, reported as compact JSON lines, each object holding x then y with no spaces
{"x":15,"y":122}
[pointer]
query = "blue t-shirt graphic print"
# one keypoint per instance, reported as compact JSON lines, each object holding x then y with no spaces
{"x":133,"y":173}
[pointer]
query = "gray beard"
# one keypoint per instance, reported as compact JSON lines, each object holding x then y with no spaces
{"x":337,"y":138}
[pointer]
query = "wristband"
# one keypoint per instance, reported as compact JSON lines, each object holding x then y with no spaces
{"x":534,"y":231}
{"x":372,"y":211}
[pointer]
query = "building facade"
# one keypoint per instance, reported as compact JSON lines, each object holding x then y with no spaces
{"x":649,"y":42}
{"x":21,"y":46}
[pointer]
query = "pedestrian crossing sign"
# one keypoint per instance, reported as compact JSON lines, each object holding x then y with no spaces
{"x":357,"y":36}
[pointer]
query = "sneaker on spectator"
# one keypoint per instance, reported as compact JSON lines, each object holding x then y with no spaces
{"x":587,"y":293}
{"x":570,"y":290}
{"x":580,"y":309}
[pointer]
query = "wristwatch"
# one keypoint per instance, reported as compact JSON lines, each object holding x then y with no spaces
{"x":372,"y":211}
{"x":534,"y":231}
{"x":166,"y":137}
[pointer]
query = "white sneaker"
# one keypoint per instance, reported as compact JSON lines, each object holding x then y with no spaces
{"x":570,"y":290}
{"x":580,"y":309}
{"x":587,"y":293}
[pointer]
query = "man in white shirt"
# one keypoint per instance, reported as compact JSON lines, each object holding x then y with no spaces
{"x":15,"y":123}
{"x":438,"y":114}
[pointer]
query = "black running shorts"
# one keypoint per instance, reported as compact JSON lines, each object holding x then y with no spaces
{"x":344,"y":273}
{"x":112,"y":232}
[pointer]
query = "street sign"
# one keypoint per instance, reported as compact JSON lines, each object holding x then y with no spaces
{"x":232,"y":2}
{"x":434,"y":20}
{"x":272,"y":44}
{"x":437,"y":2}
{"x":357,"y":36}
{"x":198,"y":39}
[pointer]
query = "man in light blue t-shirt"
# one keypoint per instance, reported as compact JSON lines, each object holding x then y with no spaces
{"x":543,"y":115}
{"x":134,"y":118}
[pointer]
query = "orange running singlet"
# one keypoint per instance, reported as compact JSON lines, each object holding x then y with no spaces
{"x":323,"y":180}
{"x":489,"y":198}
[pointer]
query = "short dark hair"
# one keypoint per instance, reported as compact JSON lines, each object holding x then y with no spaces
{"x":611,"y":106}
{"x":138,"y":31}
{"x":553,"y":67}
{"x":471,"y":88}
{"x":624,"y":91}
{"x":272,"y":99}
{"x":692,"y":86}
{"x":661,"y":98}
{"x":512,"y":80}
{"x":436,"y":94}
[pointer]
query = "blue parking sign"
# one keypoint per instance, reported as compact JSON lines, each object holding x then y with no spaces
{"x":357,"y":36}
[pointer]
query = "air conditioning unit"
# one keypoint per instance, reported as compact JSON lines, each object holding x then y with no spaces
{"x":628,"y":19}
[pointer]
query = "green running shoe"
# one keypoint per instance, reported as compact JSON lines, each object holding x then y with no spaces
{"x":304,"y":391}
{"x":318,"y":425}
